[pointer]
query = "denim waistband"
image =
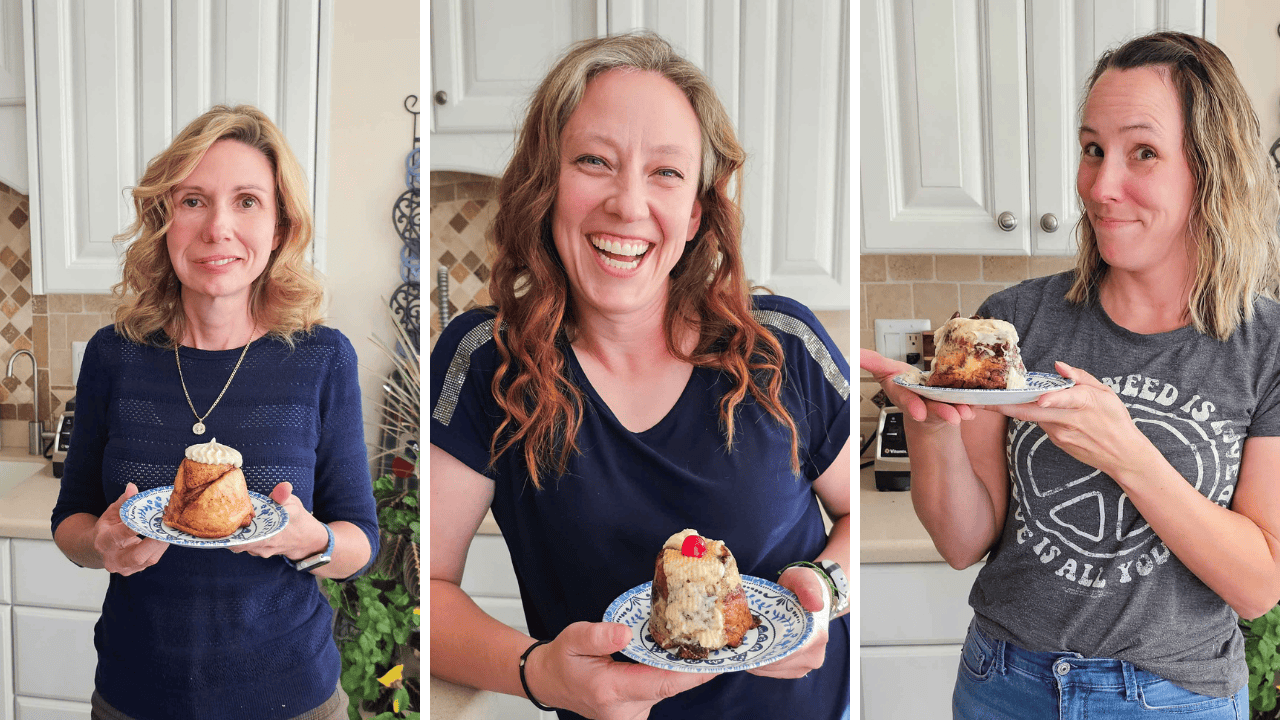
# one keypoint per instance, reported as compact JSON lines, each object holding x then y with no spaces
{"x":1064,"y":668}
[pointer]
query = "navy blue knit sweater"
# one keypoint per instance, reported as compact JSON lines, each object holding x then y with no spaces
{"x":207,"y":633}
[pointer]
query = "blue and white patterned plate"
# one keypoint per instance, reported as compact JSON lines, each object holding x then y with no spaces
{"x":784,"y":626}
{"x":144,"y":514}
{"x":1038,"y":384}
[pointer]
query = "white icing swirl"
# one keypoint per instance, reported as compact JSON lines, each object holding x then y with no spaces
{"x":211,"y":453}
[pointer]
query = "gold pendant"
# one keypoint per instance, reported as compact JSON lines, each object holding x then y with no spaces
{"x":198,"y":428}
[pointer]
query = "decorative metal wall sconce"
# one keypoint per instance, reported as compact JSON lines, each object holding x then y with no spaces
{"x":406,"y":300}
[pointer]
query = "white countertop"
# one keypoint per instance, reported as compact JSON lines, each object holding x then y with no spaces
{"x":25,"y":510}
{"x":889,"y":531}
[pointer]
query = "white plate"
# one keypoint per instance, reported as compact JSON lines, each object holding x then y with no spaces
{"x":784,"y":626}
{"x":144,"y":514}
{"x":1037,"y":384}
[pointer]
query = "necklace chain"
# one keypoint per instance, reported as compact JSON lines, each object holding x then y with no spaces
{"x":198,"y":428}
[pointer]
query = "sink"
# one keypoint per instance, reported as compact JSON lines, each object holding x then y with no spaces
{"x":13,"y":472}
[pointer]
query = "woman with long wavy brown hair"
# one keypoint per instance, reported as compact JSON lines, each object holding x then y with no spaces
{"x":626,"y":385}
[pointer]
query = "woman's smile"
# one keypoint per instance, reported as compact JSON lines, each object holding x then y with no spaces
{"x":619,"y":253}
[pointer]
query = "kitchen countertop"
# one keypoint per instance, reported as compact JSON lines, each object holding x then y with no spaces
{"x":25,"y":510}
{"x":889,"y":531}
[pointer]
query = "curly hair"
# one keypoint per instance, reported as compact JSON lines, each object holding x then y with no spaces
{"x":1236,"y":205}
{"x":285,"y":298}
{"x":708,"y":293}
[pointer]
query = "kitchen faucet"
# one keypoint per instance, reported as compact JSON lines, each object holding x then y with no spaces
{"x":35,"y":429}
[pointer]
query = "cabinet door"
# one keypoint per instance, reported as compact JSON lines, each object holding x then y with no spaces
{"x":115,"y":80}
{"x":44,"y":709}
{"x":44,"y":577}
{"x":944,"y":126}
{"x":53,"y":653}
{"x":1066,"y":40}
{"x":914,"y":603}
{"x":6,"y":663}
{"x":13,"y":106}
{"x":794,"y":127}
{"x":908,"y":682}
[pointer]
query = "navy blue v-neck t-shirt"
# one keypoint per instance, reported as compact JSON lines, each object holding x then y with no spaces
{"x":592,"y":534}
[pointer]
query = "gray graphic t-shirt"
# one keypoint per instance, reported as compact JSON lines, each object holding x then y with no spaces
{"x":1076,"y":567}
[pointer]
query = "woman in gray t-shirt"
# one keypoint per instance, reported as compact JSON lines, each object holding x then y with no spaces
{"x":1128,"y":521}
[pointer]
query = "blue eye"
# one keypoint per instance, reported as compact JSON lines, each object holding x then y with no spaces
{"x":668,"y":172}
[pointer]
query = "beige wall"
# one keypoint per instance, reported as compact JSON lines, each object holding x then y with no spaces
{"x":1247,"y":34}
{"x":375,"y":65}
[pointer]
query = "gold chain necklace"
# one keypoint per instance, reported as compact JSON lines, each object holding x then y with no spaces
{"x":198,"y":428}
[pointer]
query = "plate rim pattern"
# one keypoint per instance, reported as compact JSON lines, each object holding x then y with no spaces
{"x":142,"y":523}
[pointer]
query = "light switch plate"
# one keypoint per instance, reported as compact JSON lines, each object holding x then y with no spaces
{"x":896,"y":338}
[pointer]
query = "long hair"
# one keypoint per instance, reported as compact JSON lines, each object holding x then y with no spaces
{"x":708,"y":292}
{"x":1236,"y":206}
{"x":285,"y":298}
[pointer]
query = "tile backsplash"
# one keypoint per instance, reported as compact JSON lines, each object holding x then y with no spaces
{"x":44,"y":324}
{"x":933,"y":287}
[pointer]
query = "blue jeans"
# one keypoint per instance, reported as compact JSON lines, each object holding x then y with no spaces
{"x":1001,"y":681}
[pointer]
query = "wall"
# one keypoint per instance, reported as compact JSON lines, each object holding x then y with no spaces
{"x":1247,"y":33}
{"x":375,"y":65}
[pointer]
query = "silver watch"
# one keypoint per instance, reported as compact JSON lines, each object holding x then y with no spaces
{"x":840,"y":602}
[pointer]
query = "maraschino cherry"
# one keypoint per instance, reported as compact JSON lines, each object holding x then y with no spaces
{"x":693,"y":547}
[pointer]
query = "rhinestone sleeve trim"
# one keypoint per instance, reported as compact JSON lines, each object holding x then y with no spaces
{"x":817,"y":350}
{"x":456,"y":375}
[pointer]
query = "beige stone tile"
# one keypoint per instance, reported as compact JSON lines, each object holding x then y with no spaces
{"x":974,"y":294}
{"x":836,"y":323}
{"x":864,"y":320}
{"x":910,"y":267}
{"x":40,"y":339}
{"x":1004,"y":268}
{"x":864,"y":430}
{"x":65,"y":303}
{"x":99,"y":303}
{"x":872,"y":268}
{"x":936,"y":301}
{"x":867,"y":339}
{"x":81,"y":327}
{"x":1043,"y":265}
{"x":60,"y":366}
{"x":58,"y":333}
{"x":888,"y":301}
{"x":958,"y":268}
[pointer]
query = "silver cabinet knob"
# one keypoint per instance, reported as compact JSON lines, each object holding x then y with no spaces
{"x":441,"y":97}
{"x":1007,"y":221}
{"x":1048,"y":222}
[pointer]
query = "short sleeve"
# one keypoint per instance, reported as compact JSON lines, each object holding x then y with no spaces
{"x":464,"y":415}
{"x":818,"y":375}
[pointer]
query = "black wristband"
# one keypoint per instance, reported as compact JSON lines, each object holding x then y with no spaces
{"x":525,"y":682}
{"x":831,"y":585}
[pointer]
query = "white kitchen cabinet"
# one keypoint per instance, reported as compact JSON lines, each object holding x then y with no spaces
{"x":6,"y":662}
{"x":45,"y":709}
{"x":781,"y":69}
{"x":54,"y":653}
{"x":13,"y":103}
{"x":913,"y":620}
{"x":114,"y":81}
{"x":50,"y":629}
{"x":969,"y":115}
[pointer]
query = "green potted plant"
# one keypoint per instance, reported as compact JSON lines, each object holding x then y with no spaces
{"x":378,"y":615}
{"x":1261,"y":638}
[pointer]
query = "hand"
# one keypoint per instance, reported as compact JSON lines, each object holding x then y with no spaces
{"x":303,"y":536}
{"x":913,"y":406}
{"x":123,"y":551}
{"x":1088,"y":421}
{"x":574,"y":672}
{"x":814,"y":596}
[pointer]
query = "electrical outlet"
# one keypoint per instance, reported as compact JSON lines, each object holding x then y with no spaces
{"x":896,"y":338}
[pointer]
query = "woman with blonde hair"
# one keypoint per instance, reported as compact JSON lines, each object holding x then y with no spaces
{"x":1121,"y":553}
{"x":218,"y":347}
{"x":627,"y":386}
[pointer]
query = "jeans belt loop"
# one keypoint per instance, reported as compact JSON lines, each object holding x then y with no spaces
{"x":1130,"y":682}
{"x":1001,"y":649}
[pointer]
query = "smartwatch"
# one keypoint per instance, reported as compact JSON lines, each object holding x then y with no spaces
{"x":840,"y":602}
{"x":320,"y":559}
